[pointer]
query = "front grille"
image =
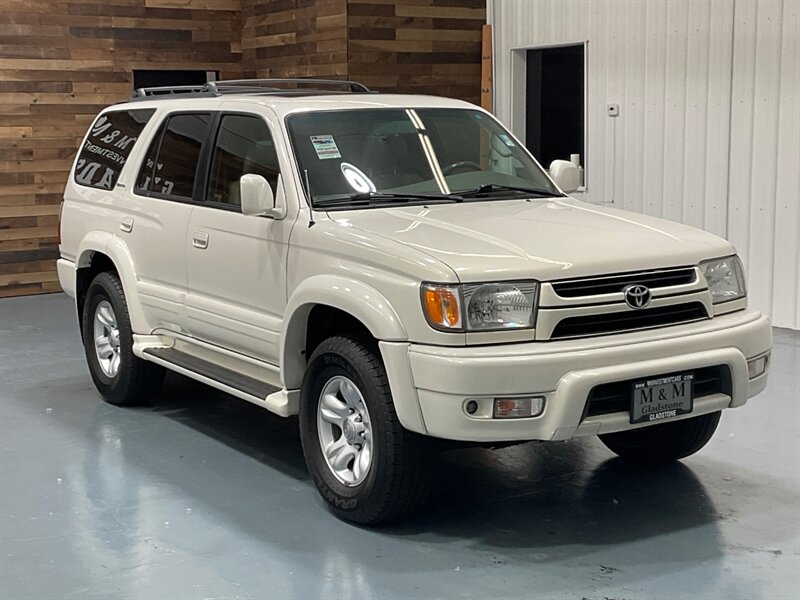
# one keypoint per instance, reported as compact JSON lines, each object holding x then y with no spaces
{"x":617,"y":322}
{"x":615,"y":397}
{"x":612,"y":284}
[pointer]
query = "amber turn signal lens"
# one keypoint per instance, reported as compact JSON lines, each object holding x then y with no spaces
{"x":442,"y":306}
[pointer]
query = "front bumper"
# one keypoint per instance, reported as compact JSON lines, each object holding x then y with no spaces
{"x":431,"y":384}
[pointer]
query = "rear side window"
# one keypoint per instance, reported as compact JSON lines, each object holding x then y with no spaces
{"x":144,"y":183}
{"x":108,"y":146}
{"x":170,"y":165}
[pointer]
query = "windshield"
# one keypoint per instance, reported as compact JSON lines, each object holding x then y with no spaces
{"x":385,"y":153}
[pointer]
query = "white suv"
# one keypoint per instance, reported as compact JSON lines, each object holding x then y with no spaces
{"x":393,"y":269}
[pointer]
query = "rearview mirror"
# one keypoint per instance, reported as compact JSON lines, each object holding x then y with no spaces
{"x":500,"y":146}
{"x":565,"y":174}
{"x":256,"y":196}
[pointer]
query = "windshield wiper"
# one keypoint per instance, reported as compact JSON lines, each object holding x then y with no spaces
{"x":488,"y":188}
{"x":367,"y":198}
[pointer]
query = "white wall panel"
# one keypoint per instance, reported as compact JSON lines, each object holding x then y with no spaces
{"x":718,"y":111}
{"x":709,"y":125}
{"x":786,"y":298}
{"x":765,"y":141}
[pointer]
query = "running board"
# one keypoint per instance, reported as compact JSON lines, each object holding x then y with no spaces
{"x":274,"y":399}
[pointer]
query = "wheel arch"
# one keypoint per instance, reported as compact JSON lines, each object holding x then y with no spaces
{"x":358,"y":301}
{"x":100,"y":252}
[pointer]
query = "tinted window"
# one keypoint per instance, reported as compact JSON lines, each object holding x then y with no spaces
{"x":244,"y":145}
{"x":108,"y":146}
{"x":474,"y":150}
{"x":381,"y":146}
{"x":179,"y":154}
{"x":145,"y":179}
{"x":351,"y":152}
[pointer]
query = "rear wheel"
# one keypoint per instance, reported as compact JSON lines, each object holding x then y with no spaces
{"x":668,"y":442}
{"x":366,"y":466}
{"x":121,"y":377}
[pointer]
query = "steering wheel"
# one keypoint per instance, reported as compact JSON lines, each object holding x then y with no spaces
{"x":467,"y":165}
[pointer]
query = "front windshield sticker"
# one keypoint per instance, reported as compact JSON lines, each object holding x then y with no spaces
{"x":325,"y":147}
{"x":507,"y":140}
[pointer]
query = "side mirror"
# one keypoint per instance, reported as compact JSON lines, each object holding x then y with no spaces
{"x":565,"y":174}
{"x":256,"y":196}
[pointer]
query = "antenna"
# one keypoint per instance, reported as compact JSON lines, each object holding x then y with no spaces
{"x":311,"y":221}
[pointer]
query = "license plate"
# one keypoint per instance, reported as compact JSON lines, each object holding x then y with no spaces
{"x":662,"y":398}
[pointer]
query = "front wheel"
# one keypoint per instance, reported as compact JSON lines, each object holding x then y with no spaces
{"x":366,"y":466}
{"x":664,"y":443}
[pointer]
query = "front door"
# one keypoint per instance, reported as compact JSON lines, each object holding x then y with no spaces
{"x":236,"y":264}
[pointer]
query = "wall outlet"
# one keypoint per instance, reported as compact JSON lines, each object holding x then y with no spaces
{"x":612,"y":110}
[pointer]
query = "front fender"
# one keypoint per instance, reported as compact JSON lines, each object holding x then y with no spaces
{"x":116,"y":249}
{"x":354,"y":297}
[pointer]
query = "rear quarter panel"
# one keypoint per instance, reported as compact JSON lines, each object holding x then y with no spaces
{"x":90,"y":219}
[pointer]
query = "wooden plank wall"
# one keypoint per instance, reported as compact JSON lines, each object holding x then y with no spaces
{"x":61,"y":61}
{"x":294,"y":38}
{"x":411,"y":46}
{"x":417,"y":46}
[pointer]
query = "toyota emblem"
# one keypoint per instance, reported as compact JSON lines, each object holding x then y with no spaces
{"x":637,"y":296}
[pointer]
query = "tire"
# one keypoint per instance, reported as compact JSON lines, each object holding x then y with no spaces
{"x":665,"y":443}
{"x":396,"y":479}
{"x":133,"y":381}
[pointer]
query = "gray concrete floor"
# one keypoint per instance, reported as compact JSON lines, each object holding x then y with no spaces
{"x":205,"y":496}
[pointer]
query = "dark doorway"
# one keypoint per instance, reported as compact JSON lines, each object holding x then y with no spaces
{"x":554,"y":112}
{"x":154,"y":78}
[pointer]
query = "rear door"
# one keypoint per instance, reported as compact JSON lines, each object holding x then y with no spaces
{"x":236,"y":264}
{"x":157,"y":215}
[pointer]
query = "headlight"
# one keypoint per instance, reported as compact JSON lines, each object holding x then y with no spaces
{"x":725,"y":278}
{"x":500,"y":305}
{"x":480,"y":307}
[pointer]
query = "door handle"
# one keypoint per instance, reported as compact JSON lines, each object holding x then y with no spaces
{"x":200,"y":240}
{"x":126,"y":224}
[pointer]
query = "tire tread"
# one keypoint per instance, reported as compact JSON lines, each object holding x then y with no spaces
{"x":142,"y":379}
{"x":407,"y":467}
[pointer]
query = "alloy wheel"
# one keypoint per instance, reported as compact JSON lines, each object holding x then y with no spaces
{"x":345,"y":431}
{"x":106,"y":338}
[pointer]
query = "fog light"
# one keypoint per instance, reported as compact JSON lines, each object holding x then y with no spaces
{"x":517,"y":408}
{"x":757,"y":366}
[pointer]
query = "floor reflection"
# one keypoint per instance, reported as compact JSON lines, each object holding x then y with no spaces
{"x":204,"y":495}
{"x":561,"y":498}
{"x":532,"y":496}
{"x":250,"y":429}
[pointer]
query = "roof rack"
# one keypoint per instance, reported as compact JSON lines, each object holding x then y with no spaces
{"x":177,"y":90}
{"x":247,"y":86}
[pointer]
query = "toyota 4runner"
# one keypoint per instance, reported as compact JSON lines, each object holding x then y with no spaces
{"x":392,"y":269}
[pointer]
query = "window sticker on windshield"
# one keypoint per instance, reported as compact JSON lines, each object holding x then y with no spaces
{"x":507,"y":140}
{"x":325,"y":147}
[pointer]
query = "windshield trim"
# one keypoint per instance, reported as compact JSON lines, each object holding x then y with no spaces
{"x":306,"y":193}
{"x":437,"y":202}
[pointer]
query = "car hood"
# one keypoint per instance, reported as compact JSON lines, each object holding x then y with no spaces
{"x":541,"y":239}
